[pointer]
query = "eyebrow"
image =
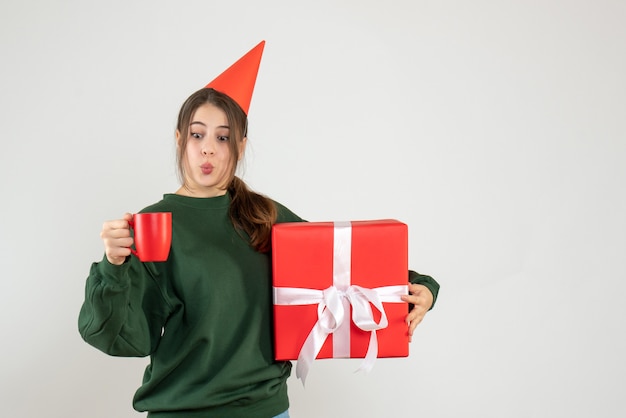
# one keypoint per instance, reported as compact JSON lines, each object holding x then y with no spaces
{"x":203,"y":124}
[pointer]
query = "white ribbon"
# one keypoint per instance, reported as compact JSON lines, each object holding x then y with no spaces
{"x":334,"y":302}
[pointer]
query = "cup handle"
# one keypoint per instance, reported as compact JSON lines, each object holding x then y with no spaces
{"x":131,"y":225}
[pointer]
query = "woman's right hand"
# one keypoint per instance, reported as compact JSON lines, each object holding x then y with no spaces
{"x":117,"y":240}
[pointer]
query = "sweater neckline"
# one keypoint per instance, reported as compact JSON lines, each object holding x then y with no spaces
{"x":217,"y":202}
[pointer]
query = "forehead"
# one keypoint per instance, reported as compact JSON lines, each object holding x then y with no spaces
{"x":210,"y":115}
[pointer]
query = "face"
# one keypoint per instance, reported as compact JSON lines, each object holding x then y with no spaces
{"x":207,"y":161}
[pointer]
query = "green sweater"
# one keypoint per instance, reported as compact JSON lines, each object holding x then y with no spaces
{"x":203,"y":317}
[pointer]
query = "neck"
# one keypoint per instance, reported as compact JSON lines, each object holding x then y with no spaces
{"x":185,"y":190}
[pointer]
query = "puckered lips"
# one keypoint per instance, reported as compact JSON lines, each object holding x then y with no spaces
{"x":207,"y":168}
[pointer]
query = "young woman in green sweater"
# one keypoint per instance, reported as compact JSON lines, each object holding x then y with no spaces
{"x":204,"y":315}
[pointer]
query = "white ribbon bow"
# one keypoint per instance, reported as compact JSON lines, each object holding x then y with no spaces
{"x":331,"y":314}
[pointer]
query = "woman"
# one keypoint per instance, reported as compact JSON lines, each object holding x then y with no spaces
{"x":204,"y":315}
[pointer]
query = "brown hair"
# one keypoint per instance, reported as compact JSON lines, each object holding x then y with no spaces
{"x":249,"y":212}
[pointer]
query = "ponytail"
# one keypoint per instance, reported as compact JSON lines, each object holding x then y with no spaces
{"x":252,"y":213}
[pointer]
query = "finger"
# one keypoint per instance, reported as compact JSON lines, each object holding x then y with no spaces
{"x":116,"y":233}
{"x":116,"y":224}
{"x":414,"y":300}
{"x":413,"y":325}
{"x":417,"y":314}
{"x":424,"y":295}
{"x":116,"y":252}
{"x":414,"y":318}
{"x":118,"y":249}
{"x":415,"y":289}
{"x":115,"y":229}
{"x":122,"y":242}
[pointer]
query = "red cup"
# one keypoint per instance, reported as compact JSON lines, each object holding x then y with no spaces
{"x":153,"y":235}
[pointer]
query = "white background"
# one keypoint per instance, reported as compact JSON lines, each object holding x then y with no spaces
{"x":495,"y":129}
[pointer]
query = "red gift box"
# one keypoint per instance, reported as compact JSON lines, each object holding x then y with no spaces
{"x":337,"y":288}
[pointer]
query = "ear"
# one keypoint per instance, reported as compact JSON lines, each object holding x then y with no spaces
{"x":242,"y":148}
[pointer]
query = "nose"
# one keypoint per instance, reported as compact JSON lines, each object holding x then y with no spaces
{"x":208,"y":149}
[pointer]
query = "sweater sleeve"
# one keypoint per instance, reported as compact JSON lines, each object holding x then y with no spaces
{"x":427,"y":281}
{"x":124,"y":309}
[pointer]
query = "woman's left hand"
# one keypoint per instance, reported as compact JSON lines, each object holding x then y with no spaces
{"x":422,"y":300}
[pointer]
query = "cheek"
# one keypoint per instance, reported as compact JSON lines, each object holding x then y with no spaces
{"x":192,"y":151}
{"x":188,"y":156}
{"x":226,"y":167}
{"x":225,"y":153}
{"x":191,"y":147}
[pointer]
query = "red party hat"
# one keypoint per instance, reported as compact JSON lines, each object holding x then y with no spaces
{"x":238,"y":80}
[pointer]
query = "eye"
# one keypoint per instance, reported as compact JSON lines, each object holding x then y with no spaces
{"x":222,"y":138}
{"x":195,"y":135}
